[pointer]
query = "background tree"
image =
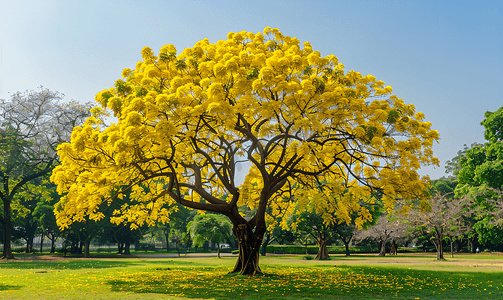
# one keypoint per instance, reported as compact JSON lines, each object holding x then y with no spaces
{"x":453,"y":166}
{"x":80,"y":235}
{"x":345,"y":233}
{"x":326,"y":213}
{"x":32,"y":124}
{"x":312,"y":224}
{"x":444,"y":218}
{"x":276,"y":219}
{"x":462,"y":227}
{"x":26,"y":209}
{"x":386,"y":228}
{"x":120,"y":234}
{"x":177,"y":225}
{"x":44,"y":213}
{"x":481,"y":175}
{"x":187,"y":120}
{"x":444,"y":186}
{"x":489,"y":224}
{"x":211,"y":228}
{"x":482,"y":166}
{"x":277,"y":234}
{"x":23,"y":208}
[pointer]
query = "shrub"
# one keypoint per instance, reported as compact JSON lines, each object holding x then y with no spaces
{"x":146,"y":247}
{"x":291,"y":249}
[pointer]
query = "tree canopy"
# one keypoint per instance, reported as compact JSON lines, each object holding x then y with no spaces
{"x":32,"y":125}
{"x":482,"y":166}
{"x":187,"y":120}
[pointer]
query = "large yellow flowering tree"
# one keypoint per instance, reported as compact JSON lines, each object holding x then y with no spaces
{"x":186,"y":120}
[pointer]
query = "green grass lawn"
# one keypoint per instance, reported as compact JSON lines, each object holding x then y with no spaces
{"x":355,"y":277}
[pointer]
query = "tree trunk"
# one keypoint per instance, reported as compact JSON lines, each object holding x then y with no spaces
{"x":393,"y":250}
{"x":322,"y":249}
{"x":41,"y":242}
{"x":440,"y":251}
{"x":382,"y":252}
{"x":53,"y":241}
{"x":29,"y":244}
{"x":265,"y":243}
{"x":249,"y":246}
{"x":127,"y":247}
{"x":438,"y":244}
{"x":7,"y":226}
{"x":87,"y":244}
{"x":218,"y":250}
{"x":452,"y":253}
{"x":166,"y":235}
{"x":346,"y":245}
{"x":471,"y":245}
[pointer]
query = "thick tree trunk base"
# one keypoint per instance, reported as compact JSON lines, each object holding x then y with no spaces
{"x":249,"y":246}
{"x":440,"y":249}
{"x":7,"y":253}
{"x":7,"y":225}
{"x":127,"y":249}
{"x":346,"y":245}
{"x":322,"y":250}
{"x":87,"y":253}
{"x":382,"y":251}
{"x":394,"y":248}
{"x":53,"y":246}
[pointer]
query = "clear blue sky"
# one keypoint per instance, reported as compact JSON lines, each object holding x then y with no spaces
{"x":445,"y":57}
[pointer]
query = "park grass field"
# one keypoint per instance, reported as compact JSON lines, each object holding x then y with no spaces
{"x":285,"y":277}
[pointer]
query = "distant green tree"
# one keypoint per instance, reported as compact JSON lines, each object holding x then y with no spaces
{"x":444,"y":186}
{"x":176,"y":228}
{"x":481,"y":177}
{"x":278,"y":235}
{"x":312,"y":224}
{"x":345,"y":233}
{"x":122,"y":234}
{"x":453,"y":166}
{"x":482,"y":167}
{"x":44,"y":213}
{"x":211,"y":228}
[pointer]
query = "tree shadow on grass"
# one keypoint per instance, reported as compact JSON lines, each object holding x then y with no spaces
{"x":65,"y":265}
{"x":345,"y":282}
{"x":198,"y":283}
{"x":6,"y":287}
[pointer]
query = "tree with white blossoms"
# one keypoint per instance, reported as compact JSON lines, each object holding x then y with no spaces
{"x":442,"y":218}
{"x":387,"y":228}
{"x":32,"y":125}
